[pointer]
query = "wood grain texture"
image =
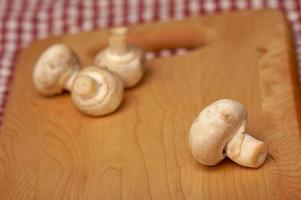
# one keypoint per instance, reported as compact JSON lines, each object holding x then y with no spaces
{"x":48,"y":150}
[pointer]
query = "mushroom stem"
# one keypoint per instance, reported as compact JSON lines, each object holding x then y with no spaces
{"x":85,"y":87}
{"x":246,"y":150}
{"x":118,"y":40}
{"x":69,"y":83}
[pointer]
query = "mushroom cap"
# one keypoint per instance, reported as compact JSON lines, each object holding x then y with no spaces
{"x":215,"y":125}
{"x":53,"y":69}
{"x":127,"y":66}
{"x":97,"y":91}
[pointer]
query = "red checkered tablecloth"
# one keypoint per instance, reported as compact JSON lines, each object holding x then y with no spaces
{"x":22,"y":21}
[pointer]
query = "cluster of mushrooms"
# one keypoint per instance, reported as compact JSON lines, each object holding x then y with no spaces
{"x":218,"y":131}
{"x":95,"y":90}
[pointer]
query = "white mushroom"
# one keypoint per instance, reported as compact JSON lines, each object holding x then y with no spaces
{"x":220,"y":130}
{"x":55,"y":70}
{"x":121,"y":58}
{"x":97,"y":91}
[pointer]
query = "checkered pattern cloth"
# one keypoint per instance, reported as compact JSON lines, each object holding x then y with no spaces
{"x":22,"y":21}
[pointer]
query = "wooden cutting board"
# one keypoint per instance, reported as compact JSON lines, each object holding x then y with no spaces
{"x":49,"y":150}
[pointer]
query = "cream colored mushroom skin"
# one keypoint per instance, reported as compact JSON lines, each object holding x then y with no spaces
{"x":123,"y":59}
{"x":55,"y":70}
{"x":96,"y":91}
{"x":219,"y":131}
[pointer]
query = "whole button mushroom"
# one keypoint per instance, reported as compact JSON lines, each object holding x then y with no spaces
{"x":121,"y":58}
{"x":220,"y":130}
{"x":97,"y":91}
{"x":55,"y":70}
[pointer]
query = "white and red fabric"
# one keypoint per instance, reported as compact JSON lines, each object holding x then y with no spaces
{"x":22,"y":21}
